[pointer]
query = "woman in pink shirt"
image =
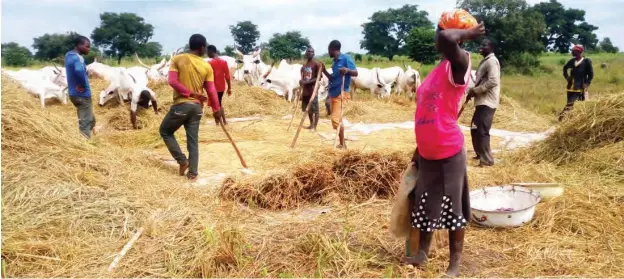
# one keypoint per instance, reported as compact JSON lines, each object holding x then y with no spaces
{"x":441,"y":192}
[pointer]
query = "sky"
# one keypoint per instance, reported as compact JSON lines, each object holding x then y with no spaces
{"x":319,"y":20}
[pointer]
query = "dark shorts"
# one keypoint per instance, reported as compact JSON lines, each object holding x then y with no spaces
{"x":220,"y":94}
{"x":305,"y":100}
{"x":575,"y":96}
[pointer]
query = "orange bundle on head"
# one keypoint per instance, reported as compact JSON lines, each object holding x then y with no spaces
{"x":457,"y":19}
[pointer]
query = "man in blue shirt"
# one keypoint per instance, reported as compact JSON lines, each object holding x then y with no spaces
{"x":78,"y":85}
{"x":343,"y":66}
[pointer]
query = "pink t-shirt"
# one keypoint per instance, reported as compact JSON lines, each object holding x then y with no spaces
{"x":437,"y":134}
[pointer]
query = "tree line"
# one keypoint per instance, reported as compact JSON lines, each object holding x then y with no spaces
{"x":521,"y":32}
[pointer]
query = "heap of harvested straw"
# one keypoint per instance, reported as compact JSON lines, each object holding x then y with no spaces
{"x":351,"y":176}
{"x":590,"y":125}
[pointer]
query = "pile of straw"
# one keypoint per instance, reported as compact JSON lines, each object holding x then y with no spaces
{"x":590,"y":125}
{"x":351,"y":176}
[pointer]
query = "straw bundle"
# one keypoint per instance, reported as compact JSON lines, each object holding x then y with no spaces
{"x":352,"y":176}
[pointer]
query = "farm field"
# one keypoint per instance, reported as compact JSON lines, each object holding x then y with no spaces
{"x":70,"y":205}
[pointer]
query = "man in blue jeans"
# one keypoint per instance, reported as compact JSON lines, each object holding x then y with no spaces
{"x":78,"y":85}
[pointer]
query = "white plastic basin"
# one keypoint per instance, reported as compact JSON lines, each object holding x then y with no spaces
{"x":503,"y":206}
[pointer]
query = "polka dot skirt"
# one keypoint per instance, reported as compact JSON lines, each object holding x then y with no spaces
{"x":448,"y":220}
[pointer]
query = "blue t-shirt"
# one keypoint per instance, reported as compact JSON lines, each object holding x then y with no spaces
{"x":76,"y":74}
{"x":342,"y":62}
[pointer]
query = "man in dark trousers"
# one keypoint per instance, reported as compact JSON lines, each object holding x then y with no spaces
{"x":221,"y":76}
{"x":189,"y":75}
{"x":578,"y":79}
{"x":78,"y":85}
{"x":309,"y":73}
{"x":487,"y":98}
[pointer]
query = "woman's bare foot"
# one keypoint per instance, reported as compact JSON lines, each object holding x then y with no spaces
{"x":183,"y":167}
{"x":454,"y":266}
{"x":419,"y":261}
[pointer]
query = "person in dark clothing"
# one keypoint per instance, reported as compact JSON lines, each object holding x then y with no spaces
{"x":579,"y":78}
{"x":309,"y":74}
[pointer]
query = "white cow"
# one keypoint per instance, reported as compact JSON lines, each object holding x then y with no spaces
{"x":123,"y":83}
{"x":39,"y":84}
{"x":231,"y":62}
{"x":56,"y":75}
{"x":371,"y":80}
{"x":253,"y":67}
{"x":409,"y":82}
{"x":284,"y":81}
{"x":391,"y":76}
{"x":102,"y":71}
{"x":154,"y":72}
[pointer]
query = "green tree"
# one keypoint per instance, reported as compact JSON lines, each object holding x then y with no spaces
{"x":513,"y":25}
{"x":15,"y":55}
{"x":605,"y":45}
{"x":121,"y":34}
{"x":228,"y":51}
{"x":245,"y":35}
{"x":53,"y":46}
{"x":421,"y":45}
{"x":150,"y":49}
{"x":386,"y":32}
{"x":564,"y":27}
{"x":288,"y":45}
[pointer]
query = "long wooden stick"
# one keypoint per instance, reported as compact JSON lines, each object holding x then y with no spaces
{"x":240,"y":156}
{"x":294,"y":114}
{"x":342,"y":96}
{"x":124,"y":250}
{"x":316,"y":86}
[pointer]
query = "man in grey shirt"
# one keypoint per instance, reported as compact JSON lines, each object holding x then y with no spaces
{"x":487,"y":98}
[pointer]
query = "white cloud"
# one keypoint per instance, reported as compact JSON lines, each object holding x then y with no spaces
{"x":174,"y":21}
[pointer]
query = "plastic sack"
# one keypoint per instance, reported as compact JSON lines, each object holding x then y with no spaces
{"x":400,"y":217}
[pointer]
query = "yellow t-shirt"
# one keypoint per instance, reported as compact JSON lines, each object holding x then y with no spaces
{"x":193,"y":71}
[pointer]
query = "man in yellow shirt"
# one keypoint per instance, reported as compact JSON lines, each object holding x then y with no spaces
{"x":189,"y":74}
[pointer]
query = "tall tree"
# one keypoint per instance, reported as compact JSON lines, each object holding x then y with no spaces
{"x":421,"y":45}
{"x":605,"y":45}
{"x":15,"y":55}
{"x":289,"y":45}
{"x":565,"y":27}
{"x":53,"y":46}
{"x":150,"y":49}
{"x":386,"y":32}
{"x":121,"y":34}
{"x":512,"y":24}
{"x":228,"y":51}
{"x":245,"y":35}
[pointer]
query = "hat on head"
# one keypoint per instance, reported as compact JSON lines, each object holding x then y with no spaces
{"x":578,"y":48}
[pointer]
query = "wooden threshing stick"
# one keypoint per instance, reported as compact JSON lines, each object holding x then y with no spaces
{"x":316,"y":86}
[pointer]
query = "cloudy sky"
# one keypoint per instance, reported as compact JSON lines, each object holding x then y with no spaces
{"x":319,"y":20}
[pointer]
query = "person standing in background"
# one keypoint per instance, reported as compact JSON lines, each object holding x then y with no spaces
{"x":221,"y":76}
{"x":309,"y":73}
{"x":343,"y":66}
{"x":487,"y":98}
{"x":189,"y":74}
{"x":78,"y":85}
{"x":579,"y":78}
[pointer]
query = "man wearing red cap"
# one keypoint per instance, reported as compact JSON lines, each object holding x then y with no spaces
{"x":578,"y":79}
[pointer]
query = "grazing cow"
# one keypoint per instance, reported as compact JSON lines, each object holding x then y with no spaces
{"x":56,"y":75}
{"x":391,"y":76}
{"x":101,"y":71}
{"x":253,"y":67}
{"x":409,"y":82}
{"x":39,"y":85}
{"x":239,"y":75}
{"x":124,"y":82}
{"x":371,"y":80}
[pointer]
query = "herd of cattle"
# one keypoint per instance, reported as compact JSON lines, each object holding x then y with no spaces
{"x":51,"y":82}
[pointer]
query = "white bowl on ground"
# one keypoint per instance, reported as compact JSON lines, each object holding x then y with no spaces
{"x":503,"y":206}
{"x":546,"y":190}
